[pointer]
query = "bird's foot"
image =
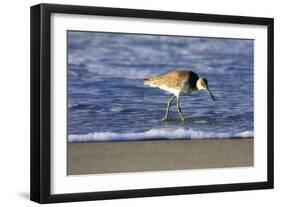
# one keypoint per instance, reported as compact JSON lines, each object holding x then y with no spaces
{"x":181,"y":116}
{"x":165,"y":119}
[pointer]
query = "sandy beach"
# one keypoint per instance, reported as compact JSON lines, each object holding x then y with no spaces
{"x":111,"y":157}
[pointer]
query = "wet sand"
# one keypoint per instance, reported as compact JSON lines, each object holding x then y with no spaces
{"x":137,"y":156}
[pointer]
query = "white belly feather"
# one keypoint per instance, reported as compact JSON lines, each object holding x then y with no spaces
{"x":175,"y":91}
{"x":170,"y":90}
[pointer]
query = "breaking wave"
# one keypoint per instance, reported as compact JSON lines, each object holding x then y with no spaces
{"x":121,"y":55}
{"x":155,"y":134}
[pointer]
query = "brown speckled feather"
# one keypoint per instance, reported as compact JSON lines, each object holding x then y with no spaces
{"x":174,"y":79}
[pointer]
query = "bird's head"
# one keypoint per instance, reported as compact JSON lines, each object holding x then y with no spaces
{"x":202,"y":84}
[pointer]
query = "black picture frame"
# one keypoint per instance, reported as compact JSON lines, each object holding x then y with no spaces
{"x":40,"y":184}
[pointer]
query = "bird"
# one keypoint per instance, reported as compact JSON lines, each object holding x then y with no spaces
{"x":178,"y":82}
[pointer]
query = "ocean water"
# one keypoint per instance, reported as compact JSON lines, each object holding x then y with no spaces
{"x":107,"y":100}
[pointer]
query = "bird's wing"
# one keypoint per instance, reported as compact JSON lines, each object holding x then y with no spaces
{"x":174,"y":79}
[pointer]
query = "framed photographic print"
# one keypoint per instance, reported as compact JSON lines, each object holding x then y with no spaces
{"x":133,"y":103}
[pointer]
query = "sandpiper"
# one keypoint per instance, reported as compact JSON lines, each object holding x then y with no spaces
{"x":178,"y":83}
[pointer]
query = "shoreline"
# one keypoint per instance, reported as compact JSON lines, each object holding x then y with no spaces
{"x":152,"y":139}
{"x":157,"y":155}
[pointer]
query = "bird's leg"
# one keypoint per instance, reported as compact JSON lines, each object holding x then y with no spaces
{"x":179,"y":109}
{"x":168,"y":107}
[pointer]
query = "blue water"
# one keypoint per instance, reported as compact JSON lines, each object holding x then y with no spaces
{"x":108,"y":101}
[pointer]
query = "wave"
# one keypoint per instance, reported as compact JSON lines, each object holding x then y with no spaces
{"x":155,"y":134}
{"x":142,"y":56}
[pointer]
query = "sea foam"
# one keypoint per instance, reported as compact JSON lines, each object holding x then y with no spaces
{"x":155,"y":134}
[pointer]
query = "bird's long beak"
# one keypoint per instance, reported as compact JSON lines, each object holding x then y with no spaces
{"x":212,"y":96}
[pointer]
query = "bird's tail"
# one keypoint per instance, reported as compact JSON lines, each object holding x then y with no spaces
{"x":149,"y":82}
